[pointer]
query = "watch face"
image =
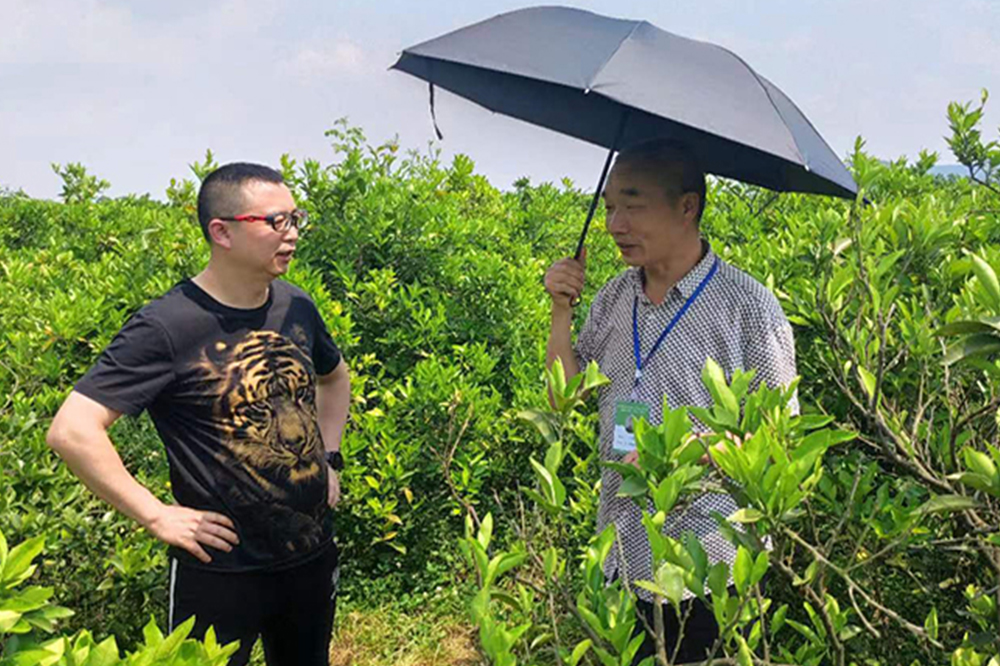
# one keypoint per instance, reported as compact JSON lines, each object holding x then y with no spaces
{"x":335,"y":460}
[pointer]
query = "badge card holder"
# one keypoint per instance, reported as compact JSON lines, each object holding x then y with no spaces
{"x":626,"y":414}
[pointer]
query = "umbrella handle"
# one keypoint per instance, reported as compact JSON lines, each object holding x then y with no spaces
{"x":597,"y":195}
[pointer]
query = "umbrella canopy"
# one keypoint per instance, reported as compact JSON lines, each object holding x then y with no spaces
{"x":614,"y":82}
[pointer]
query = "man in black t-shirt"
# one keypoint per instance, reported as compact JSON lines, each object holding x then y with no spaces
{"x":250,"y":396}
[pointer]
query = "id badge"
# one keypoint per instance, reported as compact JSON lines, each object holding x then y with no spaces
{"x":625,"y":415}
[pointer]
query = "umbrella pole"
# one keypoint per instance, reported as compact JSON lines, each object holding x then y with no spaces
{"x":600,"y":186}
{"x":593,"y":203}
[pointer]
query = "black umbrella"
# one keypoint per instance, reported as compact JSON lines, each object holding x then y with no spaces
{"x":614,"y":82}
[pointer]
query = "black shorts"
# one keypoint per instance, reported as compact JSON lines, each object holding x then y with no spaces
{"x":291,"y":610}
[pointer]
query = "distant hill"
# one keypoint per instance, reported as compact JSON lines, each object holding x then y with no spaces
{"x":949,"y":170}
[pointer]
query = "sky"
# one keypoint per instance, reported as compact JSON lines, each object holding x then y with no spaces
{"x":137,"y":91}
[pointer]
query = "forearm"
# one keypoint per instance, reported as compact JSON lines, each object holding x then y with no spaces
{"x":92,"y":457}
{"x":560,"y":343}
{"x":333,"y":401}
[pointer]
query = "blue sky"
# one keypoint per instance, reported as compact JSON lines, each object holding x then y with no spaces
{"x":138,"y":90}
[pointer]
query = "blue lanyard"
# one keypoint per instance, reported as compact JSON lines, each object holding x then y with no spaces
{"x":639,"y":363}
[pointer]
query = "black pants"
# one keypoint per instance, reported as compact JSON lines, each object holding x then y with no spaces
{"x":700,"y":631}
{"x":291,"y":610}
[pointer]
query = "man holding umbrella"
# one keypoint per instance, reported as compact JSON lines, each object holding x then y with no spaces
{"x":683,"y":305}
{"x":617,"y":82}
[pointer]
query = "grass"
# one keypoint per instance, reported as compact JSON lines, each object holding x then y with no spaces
{"x":386,"y":635}
{"x":437,"y":633}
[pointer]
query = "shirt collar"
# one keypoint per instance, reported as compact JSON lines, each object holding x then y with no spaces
{"x":687,"y":284}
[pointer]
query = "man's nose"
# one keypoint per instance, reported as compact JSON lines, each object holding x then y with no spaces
{"x":616,"y":221}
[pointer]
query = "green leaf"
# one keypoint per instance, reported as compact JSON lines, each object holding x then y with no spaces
{"x":743,"y":657}
{"x":632,"y":487}
{"x":809,"y":634}
{"x":760,"y":567}
{"x":8,"y":619}
{"x":551,"y":562}
{"x":544,"y":422}
{"x":778,"y":619}
{"x":931,"y":624}
{"x":485,"y":532}
{"x":557,"y":379}
{"x":699,"y":557}
{"x":509,"y":561}
{"x":553,"y":458}
{"x":977,"y":481}
{"x":979,"y":463}
{"x":578,"y":652}
{"x":987,"y":325}
{"x":988,"y":278}
{"x":652,"y":587}
{"x":945,"y":504}
{"x":625,"y":469}
{"x":746,"y":515}
{"x":33,"y":657}
{"x":544,"y":477}
{"x":809,"y":575}
{"x":867,"y":381}
{"x":742,"y":568}
{"x":665,"y":496}
{"x":670,"y":578}
{"x":104,"y":654}
{"x":152,"y":634}
{"x":715,"y":381}
{"x":593,"y":377}
{"x":974,"y":345}
{"x":3,"y":553}
{"x":19,"y":560}
{"x":574,"y":385}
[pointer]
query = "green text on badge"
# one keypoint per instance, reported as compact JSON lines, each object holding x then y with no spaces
{"x":626,"y":413}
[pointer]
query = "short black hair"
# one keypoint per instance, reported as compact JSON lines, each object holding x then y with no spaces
{"x":673,"y":162}
{"x":222,"y":192}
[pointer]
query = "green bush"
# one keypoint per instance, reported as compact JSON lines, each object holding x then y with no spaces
{"x":28,"y":621}
{"x":430,"y":279}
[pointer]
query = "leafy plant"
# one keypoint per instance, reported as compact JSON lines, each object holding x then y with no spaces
{"x":28,"y":620}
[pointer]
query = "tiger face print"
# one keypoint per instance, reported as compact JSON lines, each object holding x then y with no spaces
{"x":266,"y":409}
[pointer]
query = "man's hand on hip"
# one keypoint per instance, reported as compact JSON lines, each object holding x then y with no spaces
{"x":191,"y":529}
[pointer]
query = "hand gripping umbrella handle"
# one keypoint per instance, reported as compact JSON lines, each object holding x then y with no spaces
{"x":598,"y":192}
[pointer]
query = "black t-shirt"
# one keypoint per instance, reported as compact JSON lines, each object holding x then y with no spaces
{"x":232,"y":394}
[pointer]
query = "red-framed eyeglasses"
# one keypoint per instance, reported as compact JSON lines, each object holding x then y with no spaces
{"x":280,"y":222}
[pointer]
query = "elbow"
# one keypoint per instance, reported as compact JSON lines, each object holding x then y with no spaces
{"x":61,"y":434}
{"x":56,"y":436}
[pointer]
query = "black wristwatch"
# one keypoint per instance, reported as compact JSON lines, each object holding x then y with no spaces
{"x":335,"y":460}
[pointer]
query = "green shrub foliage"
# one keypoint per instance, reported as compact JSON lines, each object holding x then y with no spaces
{"x":885,"y":541}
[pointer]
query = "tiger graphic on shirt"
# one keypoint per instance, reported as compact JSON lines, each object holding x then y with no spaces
{"x":264,"y":403}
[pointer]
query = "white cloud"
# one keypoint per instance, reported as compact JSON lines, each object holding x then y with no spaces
{"x":315,"y":63}
{"x":103,"y":32}
{"x":137,"y":89}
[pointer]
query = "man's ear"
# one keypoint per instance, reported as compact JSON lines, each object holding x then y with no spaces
{"x":689,"y":204}
{"x":220,"y":233}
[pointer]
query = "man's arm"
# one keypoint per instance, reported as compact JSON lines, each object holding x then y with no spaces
{"x":560,"y":343}
{"x":563,"y":282}
{"x":770,"y":350}
{"x":333,"y":401}
{"x":79,"y":434}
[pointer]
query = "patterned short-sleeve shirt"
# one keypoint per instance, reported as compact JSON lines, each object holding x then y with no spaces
{"x":737,"y":322}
